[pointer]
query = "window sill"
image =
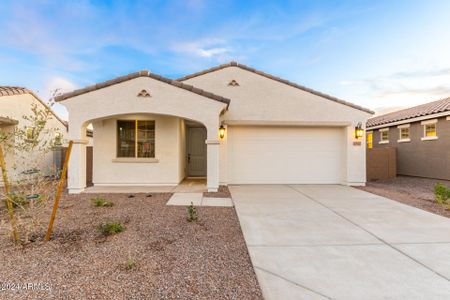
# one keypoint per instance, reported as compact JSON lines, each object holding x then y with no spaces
{"x":429,"y":138}
{"x":135,"y":160}
{"x":383,"y":142}
{"x":404,"y":141}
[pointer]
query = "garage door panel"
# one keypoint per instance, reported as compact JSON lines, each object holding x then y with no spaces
{"x":285,"y":155}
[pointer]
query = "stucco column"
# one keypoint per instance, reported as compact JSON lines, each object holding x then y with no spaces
{"x":355,"y":152}
{"x":212,"y":172}
{"x":77,"y":167}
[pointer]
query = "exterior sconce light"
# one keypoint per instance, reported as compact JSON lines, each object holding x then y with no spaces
{"x":221,"y":131}
{"x":359,"y":132}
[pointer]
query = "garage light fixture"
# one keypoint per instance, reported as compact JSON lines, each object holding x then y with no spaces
{"x":359,"y":132}
{"x":221,"y":131}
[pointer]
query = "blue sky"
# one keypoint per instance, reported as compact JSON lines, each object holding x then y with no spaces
{"x":379,"y":54}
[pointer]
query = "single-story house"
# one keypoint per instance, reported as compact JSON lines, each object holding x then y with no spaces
{"x":15,"y":103}
{"x":231,"y":124}
{"x":421,"y":136}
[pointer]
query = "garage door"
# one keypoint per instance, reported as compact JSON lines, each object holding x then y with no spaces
{"x":285,"y":155}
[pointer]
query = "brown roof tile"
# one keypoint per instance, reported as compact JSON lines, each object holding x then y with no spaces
{"x":426,"y":109}
{"x":13,"y":90}
{"x":295,"y":85}
{"x":143,"y":73}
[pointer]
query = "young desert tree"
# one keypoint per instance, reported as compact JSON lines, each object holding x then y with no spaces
{"x":32,"y":181}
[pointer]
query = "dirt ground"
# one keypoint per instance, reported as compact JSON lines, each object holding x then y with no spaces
{"x":414,"y":191}
{"x":159,"y":255}
{"x":223,"y":192}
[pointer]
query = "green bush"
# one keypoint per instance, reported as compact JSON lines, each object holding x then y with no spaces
{"x":191,"y":213}
{"x":441,"y":193}
{"x":110,"y":228}
{"x":100,"y":202}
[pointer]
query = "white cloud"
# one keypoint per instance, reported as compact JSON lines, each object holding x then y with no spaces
{"x":57,"y":85}
{"x":403,"y":89}
{"x":206,"y":48}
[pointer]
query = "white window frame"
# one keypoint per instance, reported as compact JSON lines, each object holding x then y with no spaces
{"x":400,"y":127}
{"x":429,"y":122}
{"x":381,"y":136}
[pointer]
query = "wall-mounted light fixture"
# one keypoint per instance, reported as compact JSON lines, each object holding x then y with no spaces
{"x":359,"y":132}
{"x":221,"y":131}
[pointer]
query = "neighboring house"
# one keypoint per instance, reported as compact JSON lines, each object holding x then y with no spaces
{"x":231,"y":124}
{"x":15,"y":103}
{"x":421,"y":135}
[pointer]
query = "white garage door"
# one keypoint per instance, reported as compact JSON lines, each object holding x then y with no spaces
{"x":285,"y":155}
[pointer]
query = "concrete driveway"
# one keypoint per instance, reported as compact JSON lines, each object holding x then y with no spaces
{"x":337,"y":242}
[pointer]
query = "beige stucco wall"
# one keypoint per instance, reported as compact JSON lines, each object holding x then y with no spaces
{"x":257,"y":101}
{"x":122,"y":99}
{"x":15,"y":107}
{"x":168,"y":150}
{"x":264,"y":101}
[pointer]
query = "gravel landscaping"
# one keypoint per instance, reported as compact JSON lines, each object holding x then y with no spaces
{"x":414,"y":191}
{"x":158,"y":255}
{"x":223,"y":192}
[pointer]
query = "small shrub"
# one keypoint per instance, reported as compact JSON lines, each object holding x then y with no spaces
{"x":17,"y":200}
{"x":441,"y":193}
{"x":130,"y":264}
{"x":100,"y":202}
{"x":110,"y":228}
{"x":191,"y":213}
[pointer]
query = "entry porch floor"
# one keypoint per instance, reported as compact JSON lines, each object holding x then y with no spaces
{"x":188,"y":185}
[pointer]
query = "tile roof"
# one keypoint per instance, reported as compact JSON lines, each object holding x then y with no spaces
{"x":426,"y":109}
{"x":143,"y":73}
{"x":15,"y":90}
{"x":292,"y":84}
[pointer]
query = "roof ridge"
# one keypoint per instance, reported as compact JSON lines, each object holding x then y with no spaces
{"x":279,"y":79}
{"x":142,"y":73}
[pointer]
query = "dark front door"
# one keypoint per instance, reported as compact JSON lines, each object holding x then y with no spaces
{"x":196,"y":151}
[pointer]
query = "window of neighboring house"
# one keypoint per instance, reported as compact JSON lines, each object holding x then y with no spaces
{"x":384,"y":136}
{"x":135,"y":138}
{"x":58,"y":138}
{"x":429,"y":130}
{"x":403,"y":133}
{"x":369,"y":140}
{"x":29,"y":133}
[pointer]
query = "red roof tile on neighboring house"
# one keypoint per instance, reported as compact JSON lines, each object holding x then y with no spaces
{"x":13,"y":90}
{"x":426,"y":109}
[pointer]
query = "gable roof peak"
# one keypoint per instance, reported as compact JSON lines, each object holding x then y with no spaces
{"x":142,"y":73}
{"x":275,"y":78}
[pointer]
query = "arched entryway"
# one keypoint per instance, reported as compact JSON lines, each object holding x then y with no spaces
{"x":166,"y":106}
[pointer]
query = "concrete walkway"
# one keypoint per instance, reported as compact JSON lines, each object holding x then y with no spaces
{"x":197,"y":199}
{"x":337,"y":242}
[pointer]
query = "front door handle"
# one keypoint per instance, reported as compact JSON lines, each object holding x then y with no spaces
{"x":189,"y":158}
